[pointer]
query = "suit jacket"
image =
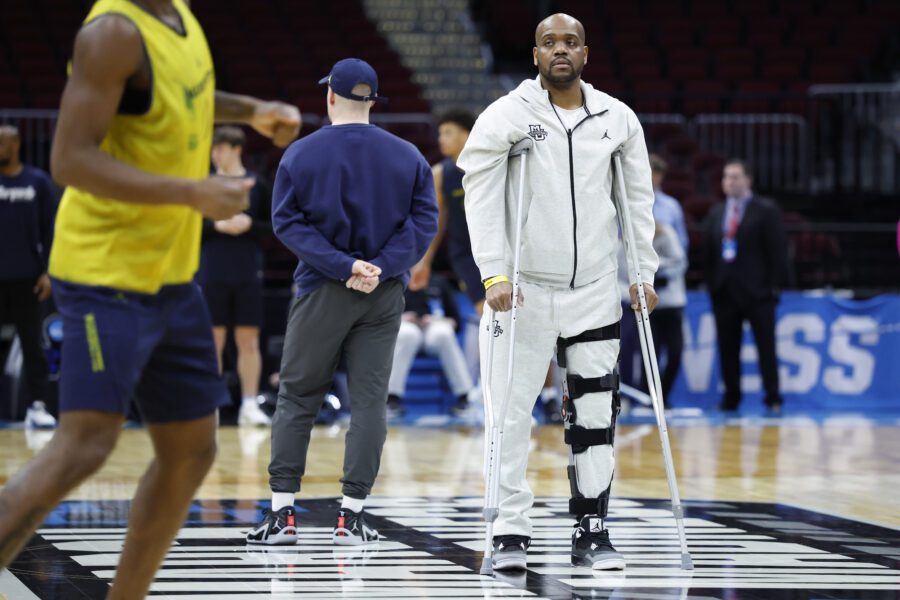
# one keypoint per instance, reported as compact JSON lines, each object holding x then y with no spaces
{"x":760,"y":269}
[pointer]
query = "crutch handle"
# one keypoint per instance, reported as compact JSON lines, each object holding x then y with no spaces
{"x":521,"y":147}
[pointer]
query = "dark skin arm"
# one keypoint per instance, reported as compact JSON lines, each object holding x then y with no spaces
{"x":108,"y":56}
{"x":275,"y":120}
{"x":421,"y":273}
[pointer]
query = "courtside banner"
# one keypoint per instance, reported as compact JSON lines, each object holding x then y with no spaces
{"x":833,"y":353}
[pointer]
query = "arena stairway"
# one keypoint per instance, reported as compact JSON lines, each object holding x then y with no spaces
{"x":437,"y":41}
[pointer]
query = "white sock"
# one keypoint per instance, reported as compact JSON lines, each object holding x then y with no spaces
{"x":354,"y":504}
{"x":249,"y":400}
{"x":281,"y":499}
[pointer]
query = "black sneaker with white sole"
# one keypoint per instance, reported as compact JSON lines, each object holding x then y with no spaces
{"x":591,"y":546}
{"x":278,"y":528}
{"x":510,"y":552}
{"x":351,"y":529}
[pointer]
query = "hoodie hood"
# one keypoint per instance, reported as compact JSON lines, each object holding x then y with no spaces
{"x":533,"y":93}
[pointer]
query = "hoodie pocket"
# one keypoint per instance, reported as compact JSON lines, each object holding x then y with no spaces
{"x":547,"y":240}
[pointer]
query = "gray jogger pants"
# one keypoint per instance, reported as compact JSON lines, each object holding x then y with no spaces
{"x":323,"y":326}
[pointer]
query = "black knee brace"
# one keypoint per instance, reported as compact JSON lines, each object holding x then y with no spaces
{"x":581,"y":438}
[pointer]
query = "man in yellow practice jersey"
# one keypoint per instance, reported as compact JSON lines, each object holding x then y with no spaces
{"x":132,"y":144}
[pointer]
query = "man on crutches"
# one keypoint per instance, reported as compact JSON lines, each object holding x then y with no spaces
{"x":567,"y":293}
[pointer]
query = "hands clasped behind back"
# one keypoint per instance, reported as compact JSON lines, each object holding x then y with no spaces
{"x":364,"y":277}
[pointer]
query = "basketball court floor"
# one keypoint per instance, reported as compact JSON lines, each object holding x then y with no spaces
{"x":794,"y":508}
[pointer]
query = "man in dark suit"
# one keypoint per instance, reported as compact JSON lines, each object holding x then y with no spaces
{"x":746,"y":267}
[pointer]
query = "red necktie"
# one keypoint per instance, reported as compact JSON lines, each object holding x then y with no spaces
{"x":733,"y":220}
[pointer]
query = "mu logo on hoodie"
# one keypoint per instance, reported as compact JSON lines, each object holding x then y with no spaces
{"x":537,"y":132}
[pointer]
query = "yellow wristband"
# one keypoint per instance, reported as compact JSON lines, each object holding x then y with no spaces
{"x":488,"y":283}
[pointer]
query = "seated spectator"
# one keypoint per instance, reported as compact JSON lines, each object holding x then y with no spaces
{"x":430,"y":324}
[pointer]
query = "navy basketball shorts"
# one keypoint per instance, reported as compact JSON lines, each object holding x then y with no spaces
{"x":154,"y":348}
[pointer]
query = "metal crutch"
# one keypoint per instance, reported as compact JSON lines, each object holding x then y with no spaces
{"x":494,"y":426}
{"x":648,"y":350}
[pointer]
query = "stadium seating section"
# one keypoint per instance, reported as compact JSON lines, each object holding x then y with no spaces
{"x":276,"y":48}
{"x":701,"y":56}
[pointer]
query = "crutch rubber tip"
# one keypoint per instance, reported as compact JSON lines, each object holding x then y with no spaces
{"x":487,"y":568}
{"x":686,"y":563}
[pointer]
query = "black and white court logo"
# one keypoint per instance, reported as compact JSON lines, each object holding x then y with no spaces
{"x":432,"y":549}
{"x":537,"y":133}
{"x":606,"y":135}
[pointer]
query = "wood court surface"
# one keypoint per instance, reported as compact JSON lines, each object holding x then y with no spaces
{"x":845,"y":465}
{"x":782,"y":509}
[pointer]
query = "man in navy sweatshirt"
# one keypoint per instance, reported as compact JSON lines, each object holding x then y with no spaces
{"x":357,"y":206}
{"x":28,"y":200}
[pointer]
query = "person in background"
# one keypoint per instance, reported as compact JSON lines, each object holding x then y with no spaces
{"x":666,"y":209}
{"x":666,"y":320}
{"x":356,"y":205}
{"x":453,"y":128}
{"x":28,"y":200}
{"x":231,"y":271}
{"x":453,"y":132}
{"x":746,"y":268}
{"x":430,"y":323}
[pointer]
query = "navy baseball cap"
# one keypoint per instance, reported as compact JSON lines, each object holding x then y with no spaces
{"x":347,"y":73}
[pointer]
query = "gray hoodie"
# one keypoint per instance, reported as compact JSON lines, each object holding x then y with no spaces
{"x":570,"y":235}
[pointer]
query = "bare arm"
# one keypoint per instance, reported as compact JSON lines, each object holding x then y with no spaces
{"x":420,"y":274}
{"x":108,"y":52}
{"x":275,"y":120}
{"x":235,"y":108}
{"x":438,"y":172}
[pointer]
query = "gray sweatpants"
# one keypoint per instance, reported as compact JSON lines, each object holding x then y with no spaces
{"x":323,"y":326}
{"x":548,"y":314}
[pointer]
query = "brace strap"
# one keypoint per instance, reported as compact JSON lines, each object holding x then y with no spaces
{"x":601,"y":334}
{"x":580,"y":506}
{"x":579,"y":386}
{"x":581,"y":438}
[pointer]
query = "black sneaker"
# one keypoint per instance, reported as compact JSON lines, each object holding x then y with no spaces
{"x":510,"y":552}
{"x":276,"y":529}
{"x":351,"y":529}
{"x":591,"y":546}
